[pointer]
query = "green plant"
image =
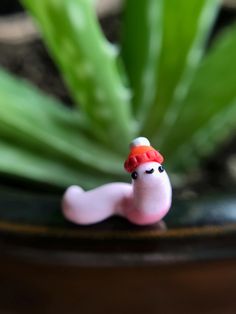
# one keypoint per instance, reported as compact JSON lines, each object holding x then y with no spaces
{"x":161,"y":84}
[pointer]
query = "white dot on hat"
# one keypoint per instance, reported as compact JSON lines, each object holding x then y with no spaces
{"x":140,"y":141}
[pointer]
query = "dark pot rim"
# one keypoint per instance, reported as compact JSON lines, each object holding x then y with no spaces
{"x":32,"y":228}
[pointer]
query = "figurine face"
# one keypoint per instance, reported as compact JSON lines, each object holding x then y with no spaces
{"x":148,"y":173}
{"x":152,"y":193}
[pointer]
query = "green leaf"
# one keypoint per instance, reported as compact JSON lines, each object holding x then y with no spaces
{"x":208,"y":114}
{"x":186,"y":25}
{"x":22,"y":162}
{"x":40,"y":125}
{"x":141,"y":40}
{"x":88,"y":64}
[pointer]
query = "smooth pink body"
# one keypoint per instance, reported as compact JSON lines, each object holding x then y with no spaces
{"x":146,"y":201}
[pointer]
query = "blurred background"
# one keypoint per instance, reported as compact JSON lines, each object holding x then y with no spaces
{"x":23,"y":53}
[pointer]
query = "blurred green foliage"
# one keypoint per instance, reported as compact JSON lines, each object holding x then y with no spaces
{"x":160,"y":82}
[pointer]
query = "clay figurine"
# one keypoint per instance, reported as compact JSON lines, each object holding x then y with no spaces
{"x":146,"y":201}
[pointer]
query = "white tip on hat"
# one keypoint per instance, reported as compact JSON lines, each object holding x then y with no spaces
{"x":140,"y":141}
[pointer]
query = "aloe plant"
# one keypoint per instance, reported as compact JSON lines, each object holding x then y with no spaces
{"x":160,"y":81}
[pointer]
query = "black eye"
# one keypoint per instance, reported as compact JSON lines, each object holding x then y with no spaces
{"x":134,"y":175}
{"x":161,"y":169}
{"x":150,"y":171}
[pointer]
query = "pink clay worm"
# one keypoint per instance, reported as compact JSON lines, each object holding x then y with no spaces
{"x":145,"y":201}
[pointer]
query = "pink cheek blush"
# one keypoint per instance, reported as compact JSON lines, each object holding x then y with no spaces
{"x":143,"y":202}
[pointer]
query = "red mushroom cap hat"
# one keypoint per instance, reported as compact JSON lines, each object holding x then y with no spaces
{"x":140,"y":152}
